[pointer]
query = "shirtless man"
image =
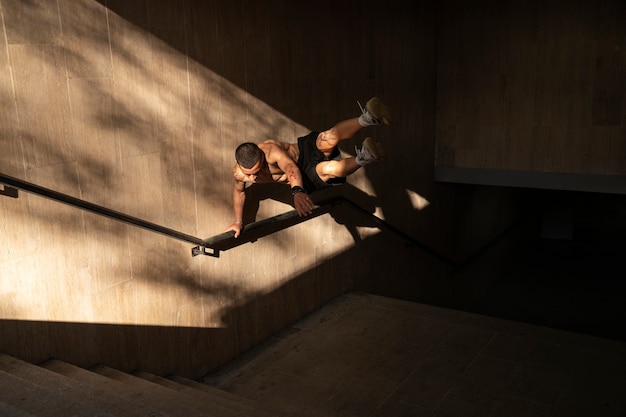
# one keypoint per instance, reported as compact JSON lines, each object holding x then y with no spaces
{"x":317,"y":157}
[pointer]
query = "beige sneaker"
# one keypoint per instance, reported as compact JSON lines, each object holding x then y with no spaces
{"x":374,"y":113}
{"x":370,"y":152}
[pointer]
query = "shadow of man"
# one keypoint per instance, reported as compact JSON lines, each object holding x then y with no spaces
{"x":343,"y":214}
{"x":255,"y":193}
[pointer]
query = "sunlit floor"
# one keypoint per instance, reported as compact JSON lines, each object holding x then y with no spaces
{"x":365,"y":355}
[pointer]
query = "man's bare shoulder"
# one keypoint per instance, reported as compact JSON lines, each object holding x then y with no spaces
{"x":274,"y":149}
{"x":271,"y":143}
{"x":237,"y":174}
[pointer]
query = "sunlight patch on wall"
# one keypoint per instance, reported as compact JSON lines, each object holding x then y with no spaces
{"x":148,"y":132}
{"x":417,"y":201}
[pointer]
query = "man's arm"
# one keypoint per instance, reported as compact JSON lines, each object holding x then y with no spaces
{"x":301,"y":201}
{"x":239,"y":198}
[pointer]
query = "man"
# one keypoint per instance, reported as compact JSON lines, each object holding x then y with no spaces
{"x":319,"y":163}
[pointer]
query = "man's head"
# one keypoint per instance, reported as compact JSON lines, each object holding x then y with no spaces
{"x":248,"y":155}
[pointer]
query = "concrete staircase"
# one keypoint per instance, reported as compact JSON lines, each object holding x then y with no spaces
{"x":56,"y":388}
{"x":360,"y":355}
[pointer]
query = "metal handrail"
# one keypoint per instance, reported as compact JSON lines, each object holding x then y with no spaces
{"x":94,"y":208}
{"x":253,"y":231}
{"x":224,"y":241}
{"x":211,"y":246}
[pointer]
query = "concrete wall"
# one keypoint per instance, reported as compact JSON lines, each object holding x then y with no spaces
{"x":138,"y":106}
{"x":532,"y":94}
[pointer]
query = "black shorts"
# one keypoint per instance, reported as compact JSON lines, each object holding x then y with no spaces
{"x":308,"y":159}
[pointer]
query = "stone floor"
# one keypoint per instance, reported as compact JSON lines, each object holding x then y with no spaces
{"x":366,"y":355}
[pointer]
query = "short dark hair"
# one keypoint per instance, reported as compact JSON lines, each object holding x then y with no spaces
{"x":248,"y":154}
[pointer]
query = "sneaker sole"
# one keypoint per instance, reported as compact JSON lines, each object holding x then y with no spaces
{"x":379,"y":110}
{"x":376,"y":148}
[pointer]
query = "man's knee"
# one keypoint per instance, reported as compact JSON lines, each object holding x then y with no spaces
{"x":326,"y":170}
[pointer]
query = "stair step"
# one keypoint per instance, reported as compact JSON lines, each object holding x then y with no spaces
{"x":229,"y":395}
{"x":100,"y":378}
{"x":109,"y":390}
{"x":7,"y":410}
{"x":172,"y":400}
{"x":219,"y":398}
{"x":73,"y":385}
{"x":24,"y":392}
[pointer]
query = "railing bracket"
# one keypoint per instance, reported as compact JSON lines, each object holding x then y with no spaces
{"x":202,"y":250}
{"x":8,"y":191}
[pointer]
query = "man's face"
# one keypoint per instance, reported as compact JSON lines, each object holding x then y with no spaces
{"x":251,"y":174}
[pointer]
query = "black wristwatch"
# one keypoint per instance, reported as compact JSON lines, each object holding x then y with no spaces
{"x":296,"y":189}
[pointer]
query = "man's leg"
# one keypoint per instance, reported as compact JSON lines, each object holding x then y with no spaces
{"x":369,"y":152}
{"x":336,"y":169}
{"x":345,"y":129}
{"x":374,"y":113}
